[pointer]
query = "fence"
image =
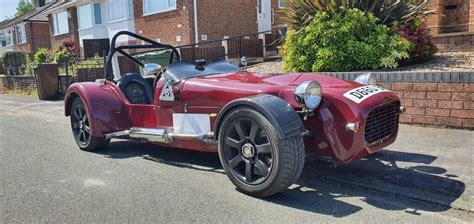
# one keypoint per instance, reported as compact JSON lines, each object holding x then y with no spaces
{"x":16,"y":64}
{"x":254,"y":46}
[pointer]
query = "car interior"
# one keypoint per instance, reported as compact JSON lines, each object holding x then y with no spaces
{"x":139,"y":84}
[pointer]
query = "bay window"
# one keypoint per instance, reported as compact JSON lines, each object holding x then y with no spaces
{"x":60,"y":23}
{"x":155,"y":6}
{"x":20,"y":34}
{"x":89,"y":15}
{"x":6,"y":37}
{"x":120,"y":9}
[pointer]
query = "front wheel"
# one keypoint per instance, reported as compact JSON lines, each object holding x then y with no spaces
{"x":81,"y":129}
{"x":254,"y":158}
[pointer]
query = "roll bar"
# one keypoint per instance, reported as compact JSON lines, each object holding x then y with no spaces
{"x":120,"y":49}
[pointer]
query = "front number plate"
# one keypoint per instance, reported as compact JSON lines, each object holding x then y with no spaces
{"x":360,"y":94}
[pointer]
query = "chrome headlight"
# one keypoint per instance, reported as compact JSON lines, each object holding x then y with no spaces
{"x":309,"y":94}
{"x":366,"y":79}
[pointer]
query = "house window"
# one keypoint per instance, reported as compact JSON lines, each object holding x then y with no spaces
{"x":155,"y":6}
{"x":120,"y":9}
{"x":20,"y":34}
{"x":6,"y":37}
{"x":97,"y":14}
{"x":89,"y":15}
{"x":60,"y":23}
{"x":282,"y":4}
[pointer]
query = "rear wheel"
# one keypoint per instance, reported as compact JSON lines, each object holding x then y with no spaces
{"x":254,"y":158}
{"x":81,"y":129}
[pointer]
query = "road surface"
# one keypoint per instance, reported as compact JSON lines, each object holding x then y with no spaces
{"x":426,"y":176}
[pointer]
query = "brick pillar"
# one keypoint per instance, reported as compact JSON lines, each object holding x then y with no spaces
{"x":435,"y":21}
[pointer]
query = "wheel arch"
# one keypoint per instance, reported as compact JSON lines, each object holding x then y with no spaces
{"x":105,"y":108}
{"x":282,"y":116}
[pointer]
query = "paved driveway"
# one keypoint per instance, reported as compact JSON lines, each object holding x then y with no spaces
{"x":424,"y":177}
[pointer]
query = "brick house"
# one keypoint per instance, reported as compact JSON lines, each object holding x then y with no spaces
{"x":26,"y":33}
{"x":83,"y":20}
{"x":180,"y":22}
{"x":453,"y":24}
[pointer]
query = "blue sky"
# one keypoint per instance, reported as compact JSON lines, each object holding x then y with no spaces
{"x":8,"y":8}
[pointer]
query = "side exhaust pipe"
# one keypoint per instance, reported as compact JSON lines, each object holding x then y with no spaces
{"x":160,"y":135}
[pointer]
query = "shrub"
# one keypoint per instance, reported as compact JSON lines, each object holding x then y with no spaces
{"x":417,"y":32}
{"x":350,"y":40}
{"x":14,"y":63}
{"x":71,"y":47}
{"x":62,"y":56}
{"x":299,"y":13}
{"x":42,"y":56}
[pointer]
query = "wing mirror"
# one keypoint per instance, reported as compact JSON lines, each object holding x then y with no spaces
{"x":152,"y":69}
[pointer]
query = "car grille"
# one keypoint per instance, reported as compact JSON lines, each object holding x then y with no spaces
{"x":381,"y":124}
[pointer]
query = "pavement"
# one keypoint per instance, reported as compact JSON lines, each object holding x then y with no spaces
{"x":426,"y":176}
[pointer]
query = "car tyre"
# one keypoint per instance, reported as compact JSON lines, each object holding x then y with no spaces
{"x":80,"y":125}
{"x":254,"y":158}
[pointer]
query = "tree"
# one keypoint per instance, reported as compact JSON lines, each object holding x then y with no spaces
{"x":24,"y":6}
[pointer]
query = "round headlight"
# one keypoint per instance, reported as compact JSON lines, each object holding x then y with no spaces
{"x":366,"y":79}
{"x":309,"y":94}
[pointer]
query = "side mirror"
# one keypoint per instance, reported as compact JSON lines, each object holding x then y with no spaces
{"x":152,"y":69}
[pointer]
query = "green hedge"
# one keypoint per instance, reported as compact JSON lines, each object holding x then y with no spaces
{"x":346,"y":41}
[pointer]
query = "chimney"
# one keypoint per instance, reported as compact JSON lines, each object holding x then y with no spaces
{"x":39,"y":3}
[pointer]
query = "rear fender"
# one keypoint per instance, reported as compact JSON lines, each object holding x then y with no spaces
{"x":283,"y":117}
{"x":106,"y":108}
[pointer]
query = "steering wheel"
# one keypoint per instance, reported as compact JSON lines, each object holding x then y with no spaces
{"x":157,"y":78}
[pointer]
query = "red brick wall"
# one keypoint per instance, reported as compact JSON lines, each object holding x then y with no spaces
{"x":73,"y":34}
{"x":454,"y":41}
{"x":164,"y":25}
{"x":456,"y":19}
{"x":216,"y":19}
{"x":221,"y":18}
{"x":278,"y":14}
{"x":443,"y":104}
{"x":41,"y":36}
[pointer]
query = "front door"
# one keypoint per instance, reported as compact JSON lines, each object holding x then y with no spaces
{"x":264,"y":15}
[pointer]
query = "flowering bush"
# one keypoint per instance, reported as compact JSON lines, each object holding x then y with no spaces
{"x":71,"y":47}
{"x":417,"y":32}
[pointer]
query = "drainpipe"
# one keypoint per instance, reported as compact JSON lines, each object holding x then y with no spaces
{"x":196,"y":33}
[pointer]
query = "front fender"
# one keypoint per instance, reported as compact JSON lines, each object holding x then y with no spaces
{"x":283,"y":117}
{"x":106,"y":109}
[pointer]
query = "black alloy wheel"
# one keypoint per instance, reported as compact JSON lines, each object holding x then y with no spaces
{"x":248,"y":151}
{"x":81,"y":128}
{"x":254,"y":157}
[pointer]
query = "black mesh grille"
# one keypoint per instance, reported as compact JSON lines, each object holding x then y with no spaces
{"x":381,"y":124}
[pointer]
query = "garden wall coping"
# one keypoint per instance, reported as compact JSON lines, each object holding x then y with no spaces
{"x":411,"y":77}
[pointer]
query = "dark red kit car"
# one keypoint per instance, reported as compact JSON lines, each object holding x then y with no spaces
{"x":262,"y":125}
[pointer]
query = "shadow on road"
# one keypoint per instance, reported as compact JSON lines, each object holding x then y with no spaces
{"x":319,"y":189}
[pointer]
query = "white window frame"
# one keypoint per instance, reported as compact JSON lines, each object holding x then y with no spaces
{"x":5,"y":32}
{"x":21,"y":27}
{"x":56,"y":26}
{"x":128,"y":7}
{"x":92,"y":15}
{"x":279,"y":4}
{"x":166,"y":10}
{"x":9,"y":30}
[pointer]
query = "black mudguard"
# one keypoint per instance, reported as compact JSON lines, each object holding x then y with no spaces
{"x":284,"y":118}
